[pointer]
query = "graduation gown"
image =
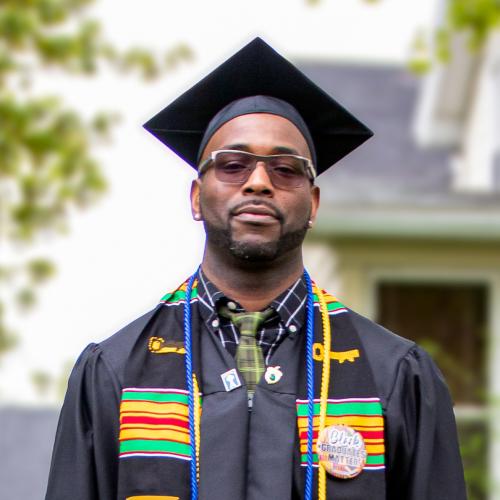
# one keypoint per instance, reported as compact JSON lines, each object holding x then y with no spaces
{"x":254,"y":456}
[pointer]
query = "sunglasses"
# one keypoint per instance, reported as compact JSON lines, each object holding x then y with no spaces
{"x":286,"y":171}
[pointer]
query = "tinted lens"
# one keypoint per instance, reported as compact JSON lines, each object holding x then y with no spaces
{"x":233,"y":167}
{"x":287,"y":171}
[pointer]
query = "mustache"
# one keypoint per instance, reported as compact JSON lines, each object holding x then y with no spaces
{"x":258,"y":202}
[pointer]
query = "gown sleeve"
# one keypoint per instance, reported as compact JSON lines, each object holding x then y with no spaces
{"x":423,"y":457}
{"x":84,"y":461}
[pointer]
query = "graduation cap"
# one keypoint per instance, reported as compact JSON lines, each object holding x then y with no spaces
{"x":258,"y":70}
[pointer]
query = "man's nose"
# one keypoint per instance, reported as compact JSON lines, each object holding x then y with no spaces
{"x":259,"y":181}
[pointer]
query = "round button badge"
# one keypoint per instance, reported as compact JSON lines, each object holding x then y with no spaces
{"x":273,"y":374}
{"x":341,"y":451}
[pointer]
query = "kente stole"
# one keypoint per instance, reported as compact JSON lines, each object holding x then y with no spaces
{"x":154,"y":448}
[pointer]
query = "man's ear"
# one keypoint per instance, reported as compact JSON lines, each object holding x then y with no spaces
{"x":315,"y":196}
{"x":195,"y":199}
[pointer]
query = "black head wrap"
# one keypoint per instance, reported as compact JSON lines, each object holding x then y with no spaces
{"x":257,"y":104}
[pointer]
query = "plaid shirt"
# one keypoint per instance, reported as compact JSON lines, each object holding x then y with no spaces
{"x":288,"y":319}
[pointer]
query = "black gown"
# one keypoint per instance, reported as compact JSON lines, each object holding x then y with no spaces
{"x":422,"y":457}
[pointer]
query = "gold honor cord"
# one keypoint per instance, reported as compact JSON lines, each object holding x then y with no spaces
{"x":197,"y":418}
{"x":325,"y":380}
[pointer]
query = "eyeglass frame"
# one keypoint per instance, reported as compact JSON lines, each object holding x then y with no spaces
{"x":310,"y":171}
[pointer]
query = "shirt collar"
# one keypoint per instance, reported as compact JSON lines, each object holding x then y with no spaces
{"x":290,"y":304}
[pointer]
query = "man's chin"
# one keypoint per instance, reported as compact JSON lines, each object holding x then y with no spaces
{"x":253,"y":251}
{"x":254,"y":248}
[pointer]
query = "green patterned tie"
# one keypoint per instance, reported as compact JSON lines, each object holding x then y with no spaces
{"x":249,"y":357}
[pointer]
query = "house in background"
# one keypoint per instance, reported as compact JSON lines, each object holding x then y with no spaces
{"x":409,"y":229}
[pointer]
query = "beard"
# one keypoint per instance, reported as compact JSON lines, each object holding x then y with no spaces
{"x":222,"y":237}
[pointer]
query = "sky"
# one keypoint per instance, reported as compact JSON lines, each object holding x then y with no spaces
{"x":139,"y":241}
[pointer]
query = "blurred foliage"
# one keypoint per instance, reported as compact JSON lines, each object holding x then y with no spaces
{"x":473,"y":431}
{"x":474,"y":450}
{"x":421,"y":59}
{"x":42,"y":382}
{"x":477,"y":17}
{"x":46,"y":165}
{"x":51,"y":386}
{"x":7,"y":338}
{"x":465,"y":385}
{"x":473,"y":19}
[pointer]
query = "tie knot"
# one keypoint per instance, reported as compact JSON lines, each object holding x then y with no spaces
{"x":248,"y":323}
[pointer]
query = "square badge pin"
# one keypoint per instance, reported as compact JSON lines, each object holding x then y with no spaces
{"x":231,"y":380}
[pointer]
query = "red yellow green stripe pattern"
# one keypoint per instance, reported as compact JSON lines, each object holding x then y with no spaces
{"x":154,"y":422}
{"x":362,"y":414}
{"x":178,"y":296}
{"x":333,"y":305}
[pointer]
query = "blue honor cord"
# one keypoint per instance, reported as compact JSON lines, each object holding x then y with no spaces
{"x":189,"y":384}
{"x":310,"y":385}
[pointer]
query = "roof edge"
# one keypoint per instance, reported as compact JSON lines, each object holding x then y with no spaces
{"x":470,"y":226}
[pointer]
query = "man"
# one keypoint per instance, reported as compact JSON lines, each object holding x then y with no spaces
{"x":248,"y":381}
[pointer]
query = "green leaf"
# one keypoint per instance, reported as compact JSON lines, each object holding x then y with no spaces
{"x":8,"y":340}
{"x":42,"y":382}
{"x":476,"y":17}
{"x":40,"y":270}
{"x":26,"y":298}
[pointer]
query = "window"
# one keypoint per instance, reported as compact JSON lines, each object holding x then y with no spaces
{"x":451,"y":322}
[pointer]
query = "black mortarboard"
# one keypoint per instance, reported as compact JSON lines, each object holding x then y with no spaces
{"x":257,"y":69}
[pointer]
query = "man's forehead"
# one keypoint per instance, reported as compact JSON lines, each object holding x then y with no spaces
{"x":259,"y":131}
